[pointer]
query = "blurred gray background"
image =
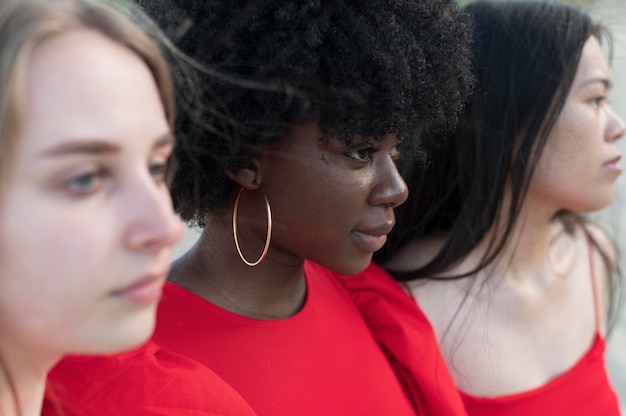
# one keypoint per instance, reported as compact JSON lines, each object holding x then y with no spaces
{"x":612,"y":13}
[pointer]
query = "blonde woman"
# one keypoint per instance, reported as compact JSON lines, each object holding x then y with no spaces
{"x":86,"y":222}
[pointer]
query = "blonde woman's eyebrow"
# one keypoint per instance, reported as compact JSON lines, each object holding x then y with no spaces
{"x":91,"y":146}
{"x":99,"y":147}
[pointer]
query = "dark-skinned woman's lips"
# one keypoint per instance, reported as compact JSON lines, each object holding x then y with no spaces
{"x":374,"y":239}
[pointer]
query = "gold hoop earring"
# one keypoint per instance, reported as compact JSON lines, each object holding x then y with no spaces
{"x":269,"y":230}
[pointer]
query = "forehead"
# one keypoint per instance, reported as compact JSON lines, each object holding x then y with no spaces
{"x":81,"y":84}
{"x":593,"y":62}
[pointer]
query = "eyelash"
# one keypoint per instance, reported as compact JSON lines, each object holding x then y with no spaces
{"x":597,"y":101}
{"x":90,"y":182}
{"x":86,"y":183}
{"x":352,"y":153}
{"x":158,"y":171}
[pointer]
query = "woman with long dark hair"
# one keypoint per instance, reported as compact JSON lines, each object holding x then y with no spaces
{"x":520,"y":286}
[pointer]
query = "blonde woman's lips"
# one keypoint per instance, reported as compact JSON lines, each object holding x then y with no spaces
{"x":147,"y":289}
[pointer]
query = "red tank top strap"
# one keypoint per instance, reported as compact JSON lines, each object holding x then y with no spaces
{"x":592,"y":267}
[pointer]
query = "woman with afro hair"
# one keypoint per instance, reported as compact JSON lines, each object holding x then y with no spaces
{"x":293,"y":178}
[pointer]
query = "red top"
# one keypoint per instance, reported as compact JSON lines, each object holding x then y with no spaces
{"x":406,"y":336}
{"x":582,"y":390}
{"x":321,"y":361}
{"x":146,"y":381}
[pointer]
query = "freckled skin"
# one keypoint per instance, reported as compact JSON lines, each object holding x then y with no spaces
{"x":571,"y":173}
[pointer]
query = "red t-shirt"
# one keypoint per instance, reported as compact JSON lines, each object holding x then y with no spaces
{"x":146,"y":381}
{"x":408,"y":340}
{"x":323,"y":361}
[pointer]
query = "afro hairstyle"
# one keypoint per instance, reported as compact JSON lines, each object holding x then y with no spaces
{"x":366,"y":68}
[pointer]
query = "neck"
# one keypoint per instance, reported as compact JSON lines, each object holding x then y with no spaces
{"x":535,"y":240}
{"x":212,"y":269}
{"x":23,"y":381}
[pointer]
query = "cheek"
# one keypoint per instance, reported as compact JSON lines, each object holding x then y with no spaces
{"x":58,"y":263}
{"x":54,"y":259}
{"x":51,"y":287}
{"x":566,"y":154}
{"x":71,"y":244}
{"x":553,"y":177}
{"x":319,"y":204}
{"x":579,"y":132}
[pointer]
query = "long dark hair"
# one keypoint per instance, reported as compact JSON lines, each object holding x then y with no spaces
{"x":525,"y":56}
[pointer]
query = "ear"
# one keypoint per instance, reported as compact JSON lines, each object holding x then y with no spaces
{"x":248,"y":177}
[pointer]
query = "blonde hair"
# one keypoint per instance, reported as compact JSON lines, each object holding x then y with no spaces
{"x":26,"y":23}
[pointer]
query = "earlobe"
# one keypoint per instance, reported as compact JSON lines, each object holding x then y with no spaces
{"x":248,"y":177}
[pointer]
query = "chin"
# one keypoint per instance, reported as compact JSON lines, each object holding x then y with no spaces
{"x":354,"y":267}
{"x":121,"y":336}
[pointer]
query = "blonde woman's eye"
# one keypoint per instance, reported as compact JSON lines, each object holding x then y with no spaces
{"x":158,"y":171}
{"x":85,"y":183}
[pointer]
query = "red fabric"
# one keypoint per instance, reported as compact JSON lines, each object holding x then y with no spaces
{"x":323,"y":361}
{"x":583,"y":390}
{"x":147,"y":381}
{"x":406,"y":336}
